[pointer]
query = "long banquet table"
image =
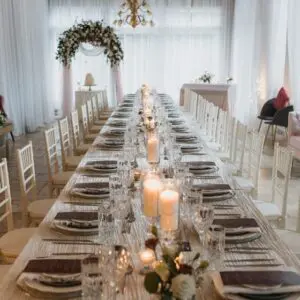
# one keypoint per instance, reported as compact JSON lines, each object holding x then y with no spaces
{"x":38,"y":247}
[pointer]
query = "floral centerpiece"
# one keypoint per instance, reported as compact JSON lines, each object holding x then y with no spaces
{"x":171,"y":277}
{"x":206,"y":77}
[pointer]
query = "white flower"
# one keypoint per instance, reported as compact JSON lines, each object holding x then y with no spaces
{"x":183,"y":287}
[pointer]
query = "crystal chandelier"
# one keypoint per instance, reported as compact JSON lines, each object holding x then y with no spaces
{"x":134,"y":13}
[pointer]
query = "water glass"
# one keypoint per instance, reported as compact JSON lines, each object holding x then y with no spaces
{"x":115,"y":184}
{"x":106,"y":223}
{"x":96,"y":277}
{"x":203,"y":216}
{"x":181,"y":169}
{"x":215,"y":241}
{"x":122,"y":203}
{"x":186,"y":187}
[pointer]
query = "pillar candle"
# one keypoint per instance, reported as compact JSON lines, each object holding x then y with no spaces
{"x":169,"y":209}
{"x":151,"y":190}
{"x":147,"y":257}
{"x":153,"y":149}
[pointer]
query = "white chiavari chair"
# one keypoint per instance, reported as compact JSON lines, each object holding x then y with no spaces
{"x":218,"y":142}
{"x":69,"y":161}
{"x":36,"y":210}
{"x":12,"y":242}
{"x":92,"y":128}
{"x":211,"y":123}
{"x":79,"y":147}
{"x":282,"y":165}
{"x":237,"y":157}
{"x":202,"y":114}
{"x":291,"y":238}
{"x":103,"y":114}
{"x":193,"y":104}
{"x":57,"y":179}
{"x":226,"y":153}
{"x":97,"y":121}
{"x":87,"y":136}
{"x":250,"y":182}
{"x":106,"y":107}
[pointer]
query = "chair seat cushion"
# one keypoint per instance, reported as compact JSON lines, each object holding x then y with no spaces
{"x":83,"y":148}
{"x":91,"y":136}
{"x":95,"y":129}
{"x":281,"y":100}
{"x":13,"y":242}
{"x":244,"y":183}
{"x":291,"y":239}
{"x":4,"y":269}
{"x":38,"y":209}
{"x":295,"y":141}
{"x":73,"y":161}
{"x":100,"y":122}
{"x":267,"y":209}
{"x":61,"y":178}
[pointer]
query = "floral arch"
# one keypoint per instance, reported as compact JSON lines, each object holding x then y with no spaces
{"x":95,"y":33}
{"x":99,"y":36}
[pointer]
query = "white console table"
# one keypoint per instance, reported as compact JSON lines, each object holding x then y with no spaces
{"x":222,"y":95}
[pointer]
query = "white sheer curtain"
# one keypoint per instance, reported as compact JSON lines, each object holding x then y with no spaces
{"x":293,"y":51}
{"x":246,"y":57}
{"x":274,"y":22}
{"x":189,"y":38}
{"x":24,"y":61}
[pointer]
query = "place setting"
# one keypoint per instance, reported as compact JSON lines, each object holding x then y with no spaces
{"x":68,"y":277}
{"x":103,"y":167}
{"x":110,"y":144}
{"x":258,"y":284}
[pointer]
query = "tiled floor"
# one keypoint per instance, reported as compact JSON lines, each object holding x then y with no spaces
{"x":37,"y":138}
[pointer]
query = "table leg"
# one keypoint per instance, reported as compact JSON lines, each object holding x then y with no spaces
{"x":7,"y":147}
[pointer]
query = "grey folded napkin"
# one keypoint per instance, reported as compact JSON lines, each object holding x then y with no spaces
{"x":257,"y":282}
{"x":200,"y":165}
{"x":103,"y":164}
{"x":53,"y":266}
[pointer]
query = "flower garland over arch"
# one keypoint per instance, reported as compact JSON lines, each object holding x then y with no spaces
{"x":95,"y":33}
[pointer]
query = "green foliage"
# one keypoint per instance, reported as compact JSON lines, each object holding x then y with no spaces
{"x":151,"y":282}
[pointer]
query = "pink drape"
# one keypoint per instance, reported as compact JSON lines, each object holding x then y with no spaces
{"x":67,"y":103}
{"x":118,"y":83}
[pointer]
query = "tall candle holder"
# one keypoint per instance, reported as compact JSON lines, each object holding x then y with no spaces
{"x":153,"y":151}
{"x":169,"y":199}
{"x":151,"y":185}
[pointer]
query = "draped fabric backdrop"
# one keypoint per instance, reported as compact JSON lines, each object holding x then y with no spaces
{"x":189,"y":38}
{"x":24,"y":59}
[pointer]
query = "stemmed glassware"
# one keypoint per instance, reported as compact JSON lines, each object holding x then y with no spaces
{"x":202,"y":216}
{"x":216,"y":246}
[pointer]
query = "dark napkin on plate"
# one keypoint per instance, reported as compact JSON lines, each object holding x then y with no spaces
{"x":77,"y":215}
{"x":211,"y":186}
{"x":236,"y":223}
{"x":92,"y":185}
{"x":271,"y":278}
{"x":54,"y":266}
{"x":194,"y":165}
{"x":107,"y":164}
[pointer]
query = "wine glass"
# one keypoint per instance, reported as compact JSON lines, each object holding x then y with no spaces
{"x":216,"y":246}
{"x":202,"y":217}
